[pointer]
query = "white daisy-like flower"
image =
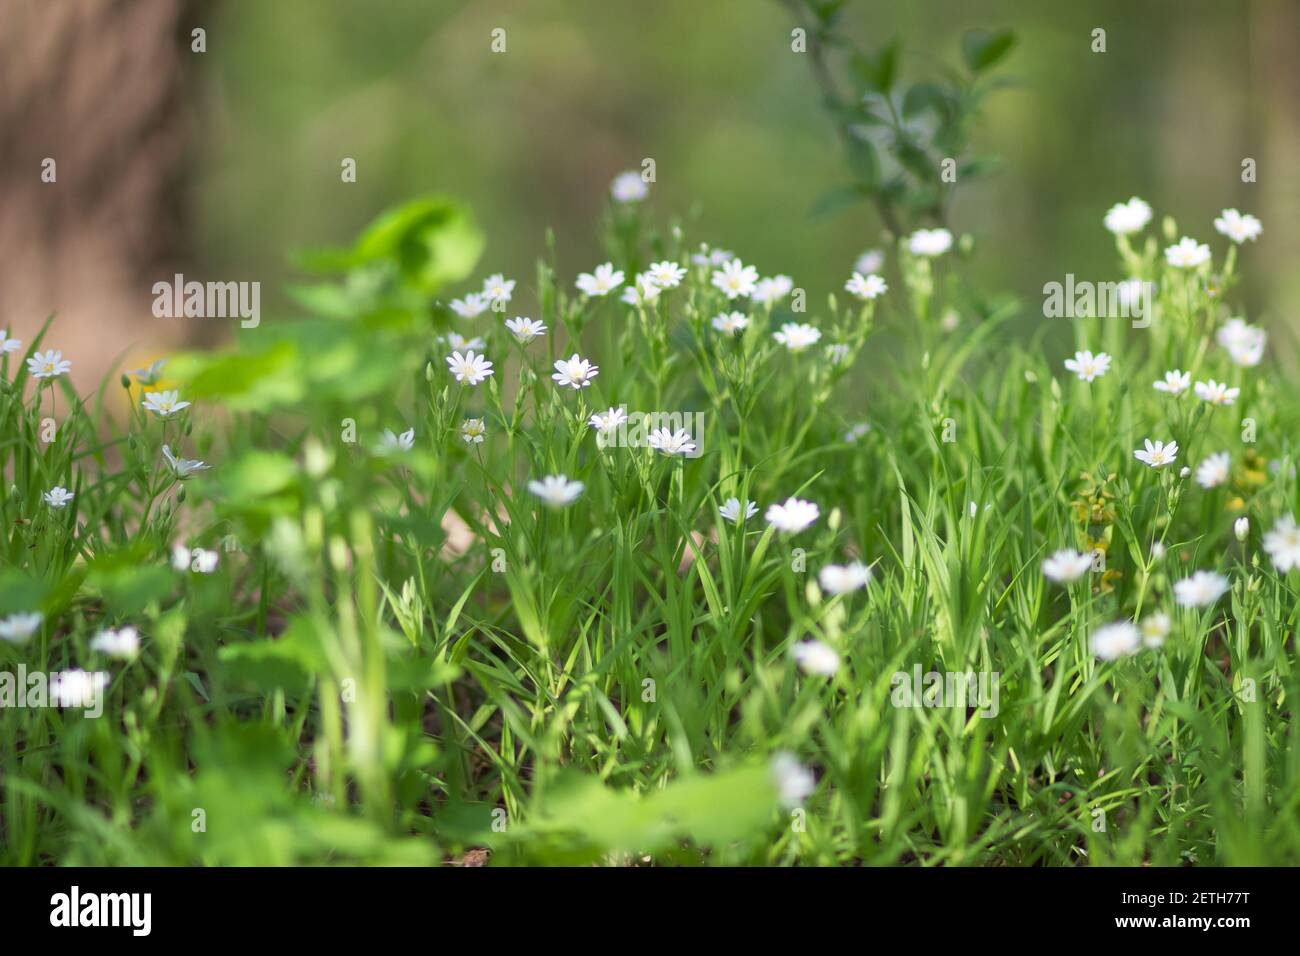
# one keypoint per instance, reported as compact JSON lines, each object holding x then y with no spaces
{"x":7,"y":344}
{"x":1201,"y":589}
{"x":772,"y":289}
{"x":1187,"y":254}
{"x":797,"y":336}
{"x":123,"y":643}
{"x":497,"y":288}
{"x":1214,"y":470}
{"x":58,"y":496}
{"x":814,"y":657}
{"x":575,"y":372}
{"x":866,"y":287}
{"x":603,"y":281}
{"x":525,"y":329}
{"x":198,"y":560}
{"x":793,"y":516}
{"x":1067,"y":565}
{"x":1158,"y":454}
{"x":1154,"y":628}
{"x":472,"y":306}
{"x":608,"y":421}
{"x":629,"y":187}
{"x":458,"y":343}
{"x":1175,"y":382}
{"x":1241,"y":528}
{"x":1244,"y":342}
{"x":151,"y":374}
{"x":844,"y":578}
{"x":666,"y":274}
{"x":164,"y":404}
{"x":1283,"y":544}
{"x":1128,"y":217}
{"x":731,"y":510}
{"x":49,"y":364}
{"x":556,"y":491}
{"x":730,"y":323}
{"x":183,"y":467}
{"x":19,"y":628}
{"x":736,"y":279}
{"x":669,"y":442}
{"x":643,"y":289}
{"x":1114,"y":641}
{"x":1238,"y":227}
{"x":929,"y":242}
{"x":390,"y":442}
{"x":873,"y":260}
{"x":1088,"y":366}
{"x":472,"y":431}
{"x":1216,"y":393}
{"x":469,"y":368}
{"x":794,"y":782}
{"x":77,"y":688}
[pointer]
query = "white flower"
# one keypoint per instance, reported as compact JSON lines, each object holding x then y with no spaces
{"x":525,"y":329}
{"x":19,"y":628}
{"x":77,"y":688}
{"x":1088,"y":366}
{"x":458,"y":343}
{"x":1214,"y":470}
{"x":873,"y":260}
{"x":49,"y":364}
{"x":844,"y":578}
{"x":1157,"y":454}
{"x":793,"y":516}
{"x":1283,"y":544}
{"x":866,"y":287}
{"x":58,"y":496}
{"x":856,"y":432}
{"x":1241,"y":528}
{"x":391,"y":443}
{"x":1201,"y":589}
{"x":1067,"y":565}
{"x":736,"y":279}
{"x":1114,"y":641}
{"x":147,"y":376}
{"x":730,"y":510}
{"x":1176,"y":382}
{"x":469,"y":368}
{"x":473,"y":430}
{"x":714,"y":257}
{"x":730,"y":323}
{"x":470,"y":306}
{"x":602,"y":282}
{"x":556,"y":490}
{"x":794,"y":782}
{"x":1155,"y":629}
{"x":838,"y":353}
{"x":608,"y":421}
{"x":575,"y":372}
{"x":1127,"y":217}
{"x":163,"y":404}
{"x":797,"y":336}
{"x":642,"y":290}
{"x":670,"y":442}
{"x":123,"y":643}
{"x":1157,"y":551}
{"x":666,"y":274}
{"x":7,"y":344}
{"x":629,"y":187}
{"x":183,"y":467}
{"x":929,"y":242}
{"x":497,"y":288}
{"x":814,"y":657}
{"x":772,"y":289}
{"x":1244,"y":342}
{"x":1238,"y":227}
{"x":1188,"y":254}
{"x":197,"y":560}
{"x":1184,"y":472}
{"x":1216,"y":393}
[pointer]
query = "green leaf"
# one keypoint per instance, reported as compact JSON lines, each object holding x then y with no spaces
{"x":877,"y":74}
{"x":984,"y":49}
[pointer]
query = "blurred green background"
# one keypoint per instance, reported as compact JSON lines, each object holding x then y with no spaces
{"x":712,"y":91}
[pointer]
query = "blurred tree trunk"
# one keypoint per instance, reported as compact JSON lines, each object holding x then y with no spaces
{"x":104,"y":88}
